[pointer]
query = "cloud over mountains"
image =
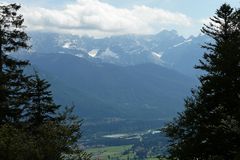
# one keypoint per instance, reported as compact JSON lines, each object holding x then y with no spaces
{"x":96,"y":18}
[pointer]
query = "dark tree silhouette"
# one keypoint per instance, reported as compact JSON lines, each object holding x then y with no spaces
{"x":41,"y":107}
{"x":32,"y":126}
{"x":12,"y":79}
{"x":209,"y":128}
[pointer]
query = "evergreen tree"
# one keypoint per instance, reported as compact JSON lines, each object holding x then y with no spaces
{"x":56,"y":133}
{"x":41,"y":107}
{"x":12,"y":79}
{"x":17,"y":144}
{"x":59,"y":139}
{"x":209,"y":128}
{"x":26,"y":101}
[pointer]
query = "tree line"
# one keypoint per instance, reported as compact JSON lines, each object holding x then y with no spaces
{"x":32,"y":126}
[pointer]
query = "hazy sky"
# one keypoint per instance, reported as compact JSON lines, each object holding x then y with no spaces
{"x":115,"y":17}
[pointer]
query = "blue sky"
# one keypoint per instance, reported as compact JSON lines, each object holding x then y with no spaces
{"x":194,"y":8}
{"x":114,"y":17}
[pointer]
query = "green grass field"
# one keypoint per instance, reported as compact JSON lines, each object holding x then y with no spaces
{"x":106,"y":153}
{"x":113,"y":153}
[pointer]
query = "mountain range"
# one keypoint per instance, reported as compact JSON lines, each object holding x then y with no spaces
{"x":129,"y":76}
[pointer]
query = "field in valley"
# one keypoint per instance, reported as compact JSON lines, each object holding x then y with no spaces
{"x":115,"y":153}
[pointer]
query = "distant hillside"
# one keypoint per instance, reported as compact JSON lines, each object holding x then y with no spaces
{"x":107,"y":90}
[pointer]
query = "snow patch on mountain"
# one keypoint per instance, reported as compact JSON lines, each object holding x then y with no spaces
{"x":157,"y":58}
{"x":67,"y":45}
{"x":187,"y":41}
{"x":156,"y":55}
{"x":93,"y":52}
{"x":79,"y":55}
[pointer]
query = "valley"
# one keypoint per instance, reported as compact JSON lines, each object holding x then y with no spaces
{"x":119,"y":80}
{"x":125,"y":88}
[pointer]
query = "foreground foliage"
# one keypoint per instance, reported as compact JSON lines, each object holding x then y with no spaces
{"x":209,"y":128}
{"x":32,"y":126}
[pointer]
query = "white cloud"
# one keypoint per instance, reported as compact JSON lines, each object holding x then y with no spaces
{"x":204,"y":21}
{"x":96,"y":18}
